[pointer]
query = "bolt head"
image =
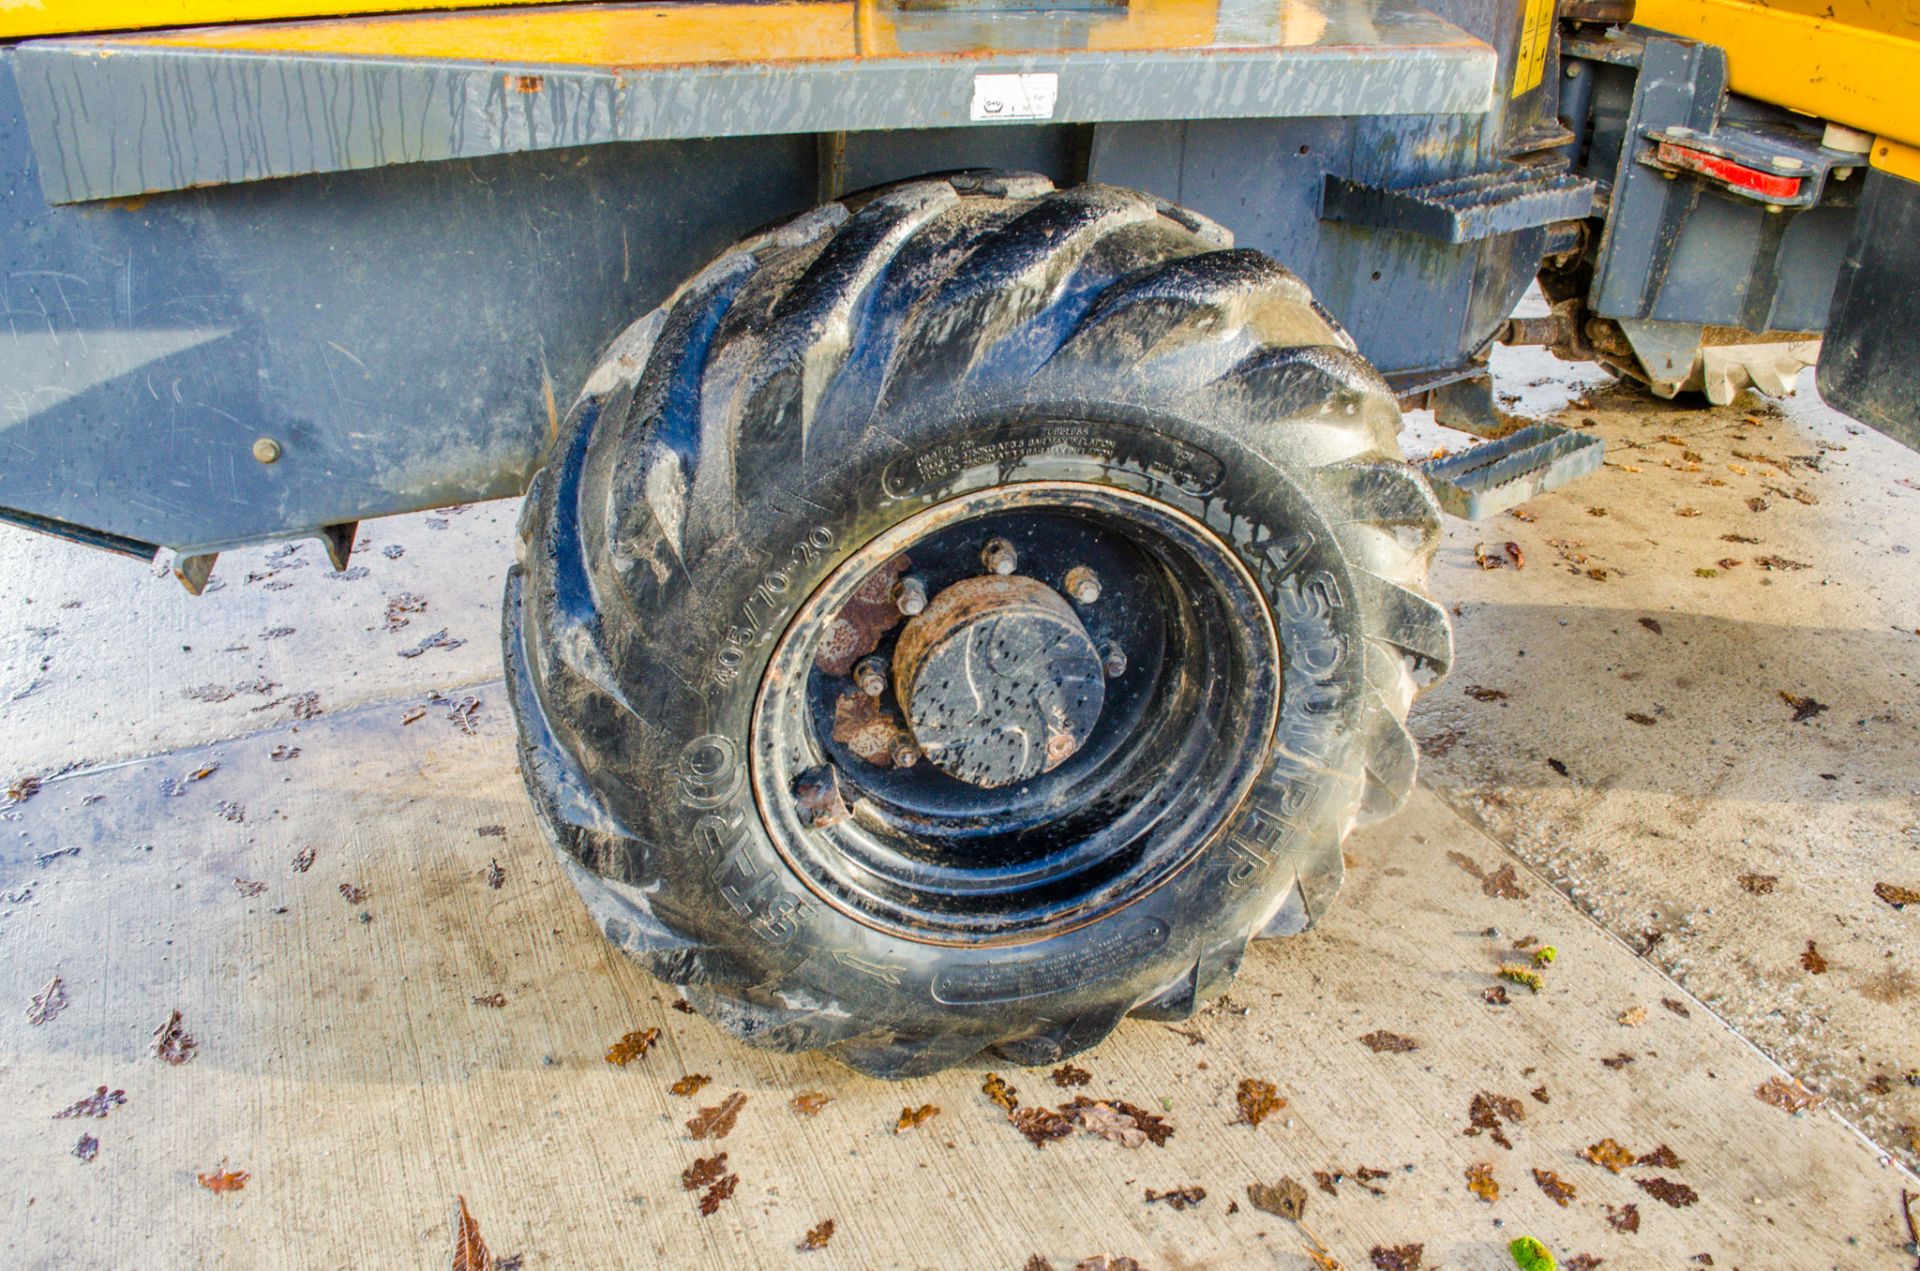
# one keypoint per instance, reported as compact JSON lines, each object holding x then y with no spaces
{"x":1113,"y":659}
{"x":1787,"y":163}
{"x":1083,"y":584}
{"x":266,"y":449}
{"x":1000,"y":557}
{"x":871,"y":675}
{"x":910,"y":595}
{"x":905,"y":755}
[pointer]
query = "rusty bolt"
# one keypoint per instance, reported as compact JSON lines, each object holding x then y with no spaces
{"x":1113,"y":659}
{"x":266,"y":449}
{"x":1059,"y":746}
{"x":910,"y":594}
{"x":871,"y":675}
{"x":905,"y":755}
{"x":1083,"y":584}
{"x":999,"y":557}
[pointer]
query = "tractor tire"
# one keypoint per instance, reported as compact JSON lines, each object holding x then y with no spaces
{"x":817,"y":713}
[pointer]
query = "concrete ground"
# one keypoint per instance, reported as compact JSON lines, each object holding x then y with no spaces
{"x":1615,"y":732}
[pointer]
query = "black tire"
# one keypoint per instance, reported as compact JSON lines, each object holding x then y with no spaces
{"x":780,"y":411}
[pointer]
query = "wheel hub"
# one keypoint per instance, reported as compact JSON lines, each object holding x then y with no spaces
{"x":1000,"y":680}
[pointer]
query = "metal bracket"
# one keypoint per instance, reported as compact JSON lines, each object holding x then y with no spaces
{"x":1509,"y":199}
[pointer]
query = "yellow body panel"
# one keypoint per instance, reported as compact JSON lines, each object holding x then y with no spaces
{"x":22,"y":18}
{"x":1859,"y":67}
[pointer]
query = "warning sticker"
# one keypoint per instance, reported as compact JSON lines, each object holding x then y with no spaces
{"x":1023,"y":96}
{"x":1530,"y":58}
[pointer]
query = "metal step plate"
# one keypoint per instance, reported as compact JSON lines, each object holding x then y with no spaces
{"x":1497,"y":475}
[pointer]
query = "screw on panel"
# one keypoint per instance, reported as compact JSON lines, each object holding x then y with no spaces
{"x":871,"y":675}
{"x":999,"y":557}
{"x":910,"y":595}
{"x":1083,"y":584}
{"x":1113,"y":659}
{"x":905,"y":755}
{"x":266,"y":449}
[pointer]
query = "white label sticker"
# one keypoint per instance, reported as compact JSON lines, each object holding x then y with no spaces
{"x":1029,"y":96}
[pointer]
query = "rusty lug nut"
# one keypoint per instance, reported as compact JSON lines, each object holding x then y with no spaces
{"x":910,"y":595}
{"x":905,"y":755}
{"x":999,"y":557}
{"x":871,"y":675}
{"x":1113,"y":659}
{"x":1059,"y":746}
{"x":1083,"y":584}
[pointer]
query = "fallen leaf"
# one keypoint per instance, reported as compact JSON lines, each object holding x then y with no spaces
{"x":1521,"y":514}
{"x":469,"y":1250}
{"x":1898,"y":897}
{"x":1609,"y":1155}
{"x":1677,"y":1007}
{"x":353,"y":893}
{"x":1584,"y":1262}
{"x":703,"y":1172}
{"x":1070,"y":1075}
{"x":689,"y":1085}
{"x":1485,"y":559}
{"x":47,"y":1003}
{"x":1558,"y":765}
{"x":1530,"y":1255}
{"x":1804,"y":708}
{"x":1481,"y":1182}
{"x":1258,"y":1100}
{"x":1486,"y":1112}
{"x":1399,"y":1257}
{"x":303,"y":860}
{"x":632,"y":1046}
{"x":996,"y":1089}
{"x":248,"y":886}
{"x":97,"y":1104}
{"x":1482,"y":694}
{"x":1759,"y":884}
{"x":1540,"y":1095}
{"x":282,"y":753}
{"x":1812,"y":960}
{"x":910,"y":1117}
{"x":1107,"y":1262}
{"x":1779,"y":563}
{"x":496,"y":877}
{"x":1662,"y":1157}
{"x":172,"y":1042}
{"x":1558,"y":1189}
{"x":1644,"y":720}
{"x":1517,"y":555}
{"x":717,"y":1122}
{"x":413,"y":715}
{"x":1109,"y":1123}
{"x":86,"y":1149}
{"x":1178,"y":1198}
{"x":1041,"y":1125}
{"x":495,"y":1000}
{"x":817,"y":1236}
{"x":1653,"y":625}
{"x":682,"y":1005}
{"x":1503,"y":884}
{"x":1787,"y":1094}
{"x":229,"y":1180}
{"x":1496,"y":996}
{"x":1678,"y":1195}
{"x":809,"y":1102}
{"x":1523,"y":975}
{"x":1686,"y":511}
{"x":1634,"y":1016}
{"x":1381,"y":1041}
{"x":1617,"y":1062}
{"x":1624,"y":1218}
{"x":1284,"y":1199}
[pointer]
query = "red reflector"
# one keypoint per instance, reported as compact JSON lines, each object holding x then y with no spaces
{"x":1727,"y":172}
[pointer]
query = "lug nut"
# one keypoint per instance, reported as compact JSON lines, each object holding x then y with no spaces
{"x":1113,"y":659}
{"x":1083,"y":584}
{"x":1060,"y":747}
{"x":905,"y":755}
{"x":999,"y":557}
{"x":871,"y":675}
{"x":910,"y":595}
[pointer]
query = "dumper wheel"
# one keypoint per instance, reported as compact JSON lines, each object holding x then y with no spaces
{"x":964,"y":616}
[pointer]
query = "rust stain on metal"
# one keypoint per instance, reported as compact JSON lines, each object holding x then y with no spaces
{"x":863,"y":621}
{"x":869,"y":729}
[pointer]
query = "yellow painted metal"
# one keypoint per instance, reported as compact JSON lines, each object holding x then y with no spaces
{"x":22,"y":18}
{"x":1536,"y":34}
{"x":1856,"y":62}
{"x":1901,"y":161}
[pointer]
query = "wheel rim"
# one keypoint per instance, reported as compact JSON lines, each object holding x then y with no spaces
{"x":956,"y":755}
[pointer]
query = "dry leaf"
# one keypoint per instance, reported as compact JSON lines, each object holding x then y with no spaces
{"x":1634,"y":1016}
{"x":1481,"y":1182}
{"x":1609,"y":1155}
{"x":86,"y":1149}
{"x":1504,"y":883}
{"x":1284,"y":1199}
{"x":1898,"y":897}
{"x":1624,"y":1218}
{"x":1381,"y":1041}
{"x":1109,"y":1123}
{"x":1399,"y":1257}
{"x":717,"y":1122}
{"x":1067,"y":1076}
{"x":172,"y":1042}
{"x":1486,"y":1112}
{"x":1523,"y":975}
{"x":1517,"y":555}
{"x":469,"y":1250}
{"x":1558,"y":1189}
{"x":690,"y":1084}
{"x":703,"y":1172}
{"x":1678,"y":1195}
{"x":910,"y":1117}
{"x":1178,"y":1198}
{"x":1677,"y":1007}
{"x":47,"y":1003}
{"x":495,"y":1000}
{"x":996,"y":1089}
{"x":303,"y":860}
{"x":1662,"y":1157}
{"x":353,"y":892}
{"x":817,"y":1237}
{"x":1479,"y":693}
{"x":1617,"y":1062}
{"x":1804,"y":708}
{"x":1787,"y":1094}
{"x":496,"y":877}
{"x":97,"y":1104}
{"x":1812,"y":960}
{"x":809,"y":1102}
{"x":248,"y":886}
{"x":631,"y":1046}
{"x":1258,"y":1100}
{"x":1759,"y":884}
{"x":225,"y":1180}
{"x":1041,"y":1125}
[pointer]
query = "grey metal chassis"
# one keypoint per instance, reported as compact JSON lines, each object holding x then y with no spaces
{"x":192,"y":261}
